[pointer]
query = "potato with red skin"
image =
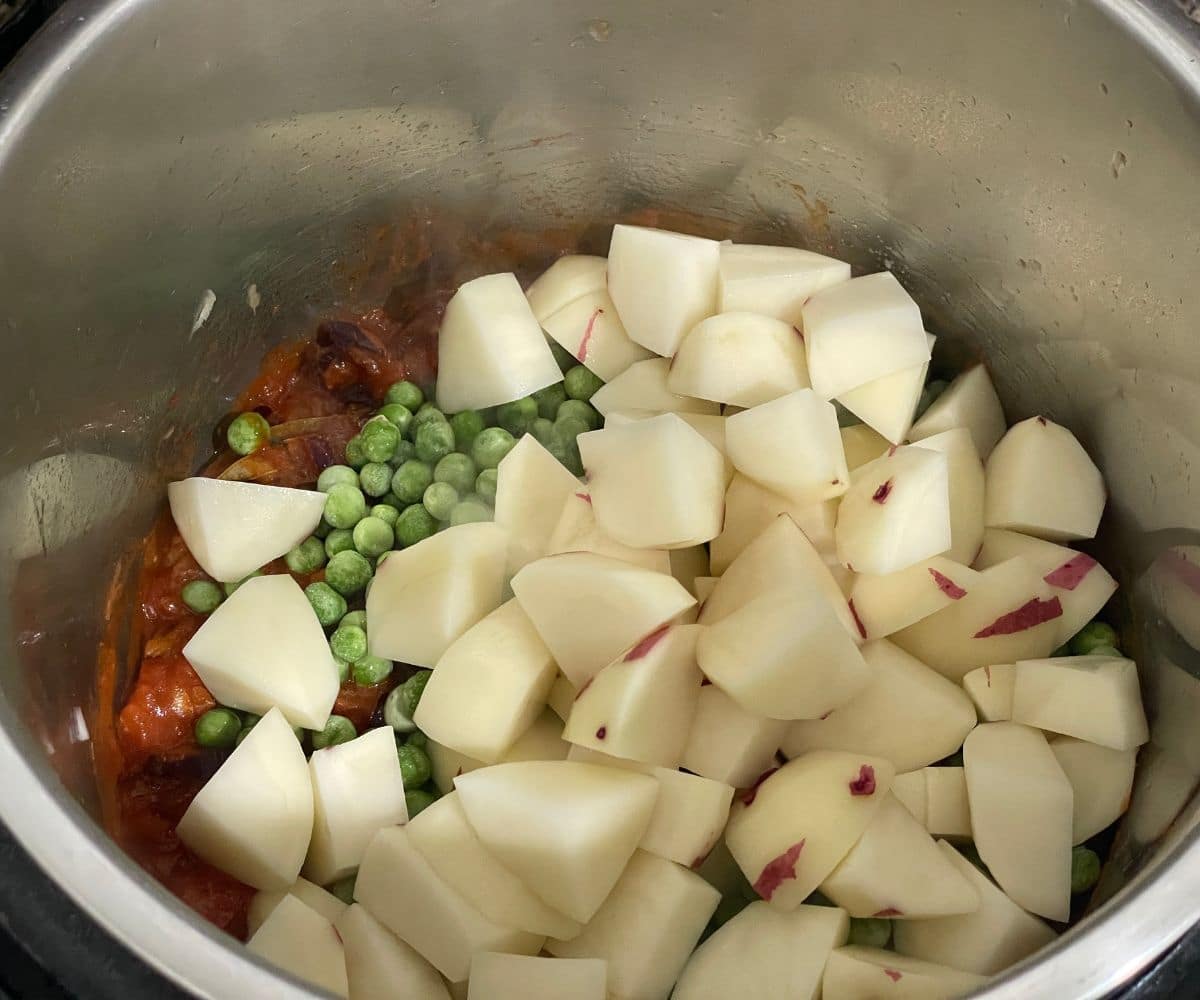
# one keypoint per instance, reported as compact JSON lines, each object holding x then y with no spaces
{"x":803,"y":819}
{"x":729,"y":744}
{"x":886,"y":604}
{"x":856,"y":973}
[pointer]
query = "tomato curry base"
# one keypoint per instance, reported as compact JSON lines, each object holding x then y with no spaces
{"x":315,"y":394}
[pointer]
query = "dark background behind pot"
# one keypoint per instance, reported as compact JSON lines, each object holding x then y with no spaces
{"x":51,"y":951}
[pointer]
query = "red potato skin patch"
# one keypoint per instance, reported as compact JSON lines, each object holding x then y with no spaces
{"x":1042,"y":421}
{"x":799,"y":332}
{"x":581,"y":354}
{"x":884,"y":491}
{"x":778,"y":871}
{"x":585,"y":497}
{"x":583,"y":687}
{"x":1072,"y":573}
{"x":601,"y":732}
{"x":864,"y":784}
{"x":1031,"y":614}
{"x":947,"y":586}
{"x":890,"y":911}
{"x":751,"y":793}
{"x":893,"y":974}
{"x":648,"y":643}
{"x":1182,"y":568}
{"x":862,"y":629}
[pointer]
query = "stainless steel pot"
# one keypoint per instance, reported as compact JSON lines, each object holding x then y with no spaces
{"x":1029,"y":168}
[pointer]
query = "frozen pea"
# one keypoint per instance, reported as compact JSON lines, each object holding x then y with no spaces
{"x":581,"y":383}
{"x":348,"y":642}
{"x":1085,"y":869}
{"x":469,"y":511}
{"x":375,"y":479}
{"x":203,"y":596}
{"x":368,"y":671}
{"x":440,"y":499}
{"x":413,"y":688}
{"x":358,"y":618}
{"x":406,"y":451}
{"x":345,"y":505}
{"x":434,"y":442}
{"x":380,"y":438}
{"x":417,"y":801}
{"x":550,"y":399}
{"x":1110,"y":651}
{"x":406,"y":394}
{"x":466,"y":426}
{"x":569,"y":428}
{"x":248,"y":432}
{"x":542,"y":431}
{"x":395,"y":714}
{"x":218,"y":728}
{"x":326,"y":602}
{"x":337,"y":730}
{"x":418,"y":739}
{"x":870,"y":932}
{"x":485,"y":484}
{"x":231,"y":586}
{"x":1094,"y":633}
{"x":458,"y":470}
{"x":515,"y":417}
{"x":385,"y":512}
{"x":427,"y":414}
{"x":335,"y":474}
{"x":415,"y":767}
{"x":491,"y":446}
{"x":339,"y":540}
{"x":373,"y":536}
{"x":847,"y":419}
{"x":348,"y":572}
{"x":307,"y":557}
{"x":577,"y":409}
{"x":566,"y":360}
{"x":397,"y":414}
{"x":343,"y":889}
{"x":411,"y":481}
{"x":414,"y":525}
{"x":356,"y":454}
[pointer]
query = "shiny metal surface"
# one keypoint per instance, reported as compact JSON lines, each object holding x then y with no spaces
{"x":1029,"y":169}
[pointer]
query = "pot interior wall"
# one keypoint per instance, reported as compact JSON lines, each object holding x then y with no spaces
{"x":1025,"y":168}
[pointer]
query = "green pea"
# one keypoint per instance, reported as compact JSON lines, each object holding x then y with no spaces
{"x":307,"y":557}
{"x":406,"y":451}
{"x":335,"y":474}
{"x":466,"y":426}
{"x":418,"y":739}
{"x":386,"y":512}
{"x":414,"y":766}
{"x":397,"y":414}
{"x":427,"y":414}
{"x":542,"y":431}
{"x":339,"y":540}
{"x":491,"y":446}
{"x":203,"y":596}
{"x":328,"y":605}
{"x":337,"y":730}
{"x":565,"y":448}
{"x":343,"y":889}
{"x":375,"y":478}
{"x":323,"y":529}
{"x":218,"y":728}
{"x":413,"y":688}
{"x":411,"y":481}
{"x":568,"y":429}
{"x":1085,"y":869}
{"x":356,"y":453}
{"x":250,"y":719}
{"x":348,"y":573}
{"x":415,"y":524}
{"x":458,"y":470}
{"x":343,"y":669}
{"x":373,"y":536}
{"x":417,"y":801}
{"x":469,"y":511}
{"x":1063,"y":650}
{"x":489,"y":416}
{"x":485,"y":484}
{"x":550,"y":399}
{"x":566,"y":360}
{"x":847,"y":419}
{"x":1094,"y":633}
{"x":248,"y":432}
{"x":371,"y":670}
{"x":394,"y":712}
{"x":358,"y":618}
{"x":870,"y":932}
{"x":581,"y":383}
{"x":345,"y":505}
{"x":380,"y":438}
{"x":406,"y":394}
{"x":230,"y":586}
{"x":348,"y":643}
{"x":515,"y":417}
{"x":1110,"y":651}
{"x":577,"y":409}
{"x":434,"y":442}
{"x":440,"y":499}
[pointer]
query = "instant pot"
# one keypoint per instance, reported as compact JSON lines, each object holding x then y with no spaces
{"x":183,"y":185}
